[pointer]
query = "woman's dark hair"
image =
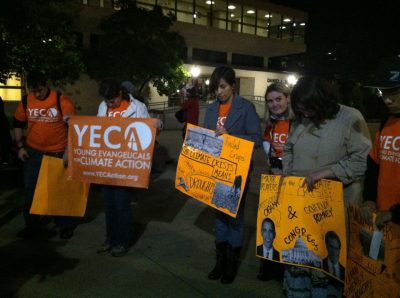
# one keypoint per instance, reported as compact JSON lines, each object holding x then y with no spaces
{"x":222,"y":72}
{"x":317,"y":95}
{"x":109,"y":89}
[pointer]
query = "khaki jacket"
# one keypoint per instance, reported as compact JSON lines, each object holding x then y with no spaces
{"x":340,"y":144}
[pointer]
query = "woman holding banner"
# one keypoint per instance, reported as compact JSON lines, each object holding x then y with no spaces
{"x":117,"y":103}
{"x":278,"y":115}
{"x":230,"y":114}
{"x":327,"y":141}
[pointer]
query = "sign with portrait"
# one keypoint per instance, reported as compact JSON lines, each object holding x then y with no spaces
{"x":374,"y":257}
{"x":302,"y":228}
{"x":113,"y":151}
{"x":214,"y":169}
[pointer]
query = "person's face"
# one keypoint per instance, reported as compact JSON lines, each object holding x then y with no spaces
{"x":307,"y":113}
{"x":333,"y":248}
{"x":224,"y":92}
{"x":391,"y":98}
{"x":277,"y":102}
{"x":268,"y":234}
{"x":40,"y":92}
{"x":113,"y":103}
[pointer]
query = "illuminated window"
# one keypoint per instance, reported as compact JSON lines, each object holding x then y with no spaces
{"x":235,"y":17}
{"x":12,"y":89}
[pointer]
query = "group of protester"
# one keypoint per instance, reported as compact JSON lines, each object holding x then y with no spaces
{"x":308,"y":133}
{"x":46,"y":112}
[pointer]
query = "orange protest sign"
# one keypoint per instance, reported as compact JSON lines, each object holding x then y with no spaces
{"x":51,"y":197}
{"x":373,"y":263}
{"x":214,"y":169}
{"x":114,"y":151}
{"x":302,"y":228}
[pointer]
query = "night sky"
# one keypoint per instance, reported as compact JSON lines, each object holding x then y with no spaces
{"x":356,"y":34}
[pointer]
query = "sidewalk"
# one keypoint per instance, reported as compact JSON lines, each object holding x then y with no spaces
{"x":173,"y":249}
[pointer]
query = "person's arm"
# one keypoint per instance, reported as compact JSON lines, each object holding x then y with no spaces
{"x":358,"y":145}
{"x":19,"y":125}
{"x":370,"y":191}
{"x":287,"y":157}
{"x":252,"y":127}
{"x":22,"y":153}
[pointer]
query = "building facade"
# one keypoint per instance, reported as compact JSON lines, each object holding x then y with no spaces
{"x":242,"y":34}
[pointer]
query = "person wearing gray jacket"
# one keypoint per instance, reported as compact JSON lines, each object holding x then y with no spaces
{"x":326,"y":141}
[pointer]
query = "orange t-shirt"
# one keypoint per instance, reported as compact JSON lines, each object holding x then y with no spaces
{"x":386,"y":153}
{"x":276,"y":135}
{"x":222,"y":114}
{"x":47,"y":131}
{"x":119,"y":111}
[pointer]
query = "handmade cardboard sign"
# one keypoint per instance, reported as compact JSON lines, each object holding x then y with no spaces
{"x":374,"y":256}
{"x":56,"y":193}
{"x":214,"y":169}
{"x":302,"y":228}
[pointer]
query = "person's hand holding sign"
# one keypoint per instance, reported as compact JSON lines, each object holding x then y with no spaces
{"x":220,"y":131}
{"x":314,"y":177}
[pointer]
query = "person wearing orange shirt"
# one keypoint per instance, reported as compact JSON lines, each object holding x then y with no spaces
{"x":278,"y":115}
{"x":46,"y":114}
{"x":381,"y":188}
{"x":234,"y":115}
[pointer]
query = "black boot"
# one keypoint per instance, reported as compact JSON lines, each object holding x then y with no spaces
{"x":220,"y":249}
{"x":231,"y":264}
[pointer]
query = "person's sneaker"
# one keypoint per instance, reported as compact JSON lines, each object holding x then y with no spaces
{"x":104,"y":248}
{"x":119,"y":251}
{"x":66,"y":233}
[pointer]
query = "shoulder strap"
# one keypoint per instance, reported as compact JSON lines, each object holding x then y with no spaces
{"x":59,"y":103}
{"x":25,"y":102}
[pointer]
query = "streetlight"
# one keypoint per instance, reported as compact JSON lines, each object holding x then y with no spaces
{"x":292,"y":80}
{"x":195,"y":71}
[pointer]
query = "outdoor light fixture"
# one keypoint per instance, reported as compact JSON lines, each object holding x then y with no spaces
{"x":195,"y":71}
{"x":231,"y":7}
{"x":291,"y":79}
{"x":283,"y":27}
{"x":287,"y":20}
{"x":302,"y":24}
{"x":210,"y":2}
{"x":250,"y":11}
{"x":268,"y":16}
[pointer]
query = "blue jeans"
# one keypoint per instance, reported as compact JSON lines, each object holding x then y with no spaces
{"x":31,"y":169}
{"x":231,"y":229}
{"x":118,"y":215}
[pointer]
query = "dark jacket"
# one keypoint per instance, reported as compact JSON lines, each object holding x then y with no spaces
{"x":242,"y":120}
{"x":275,"y":253}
